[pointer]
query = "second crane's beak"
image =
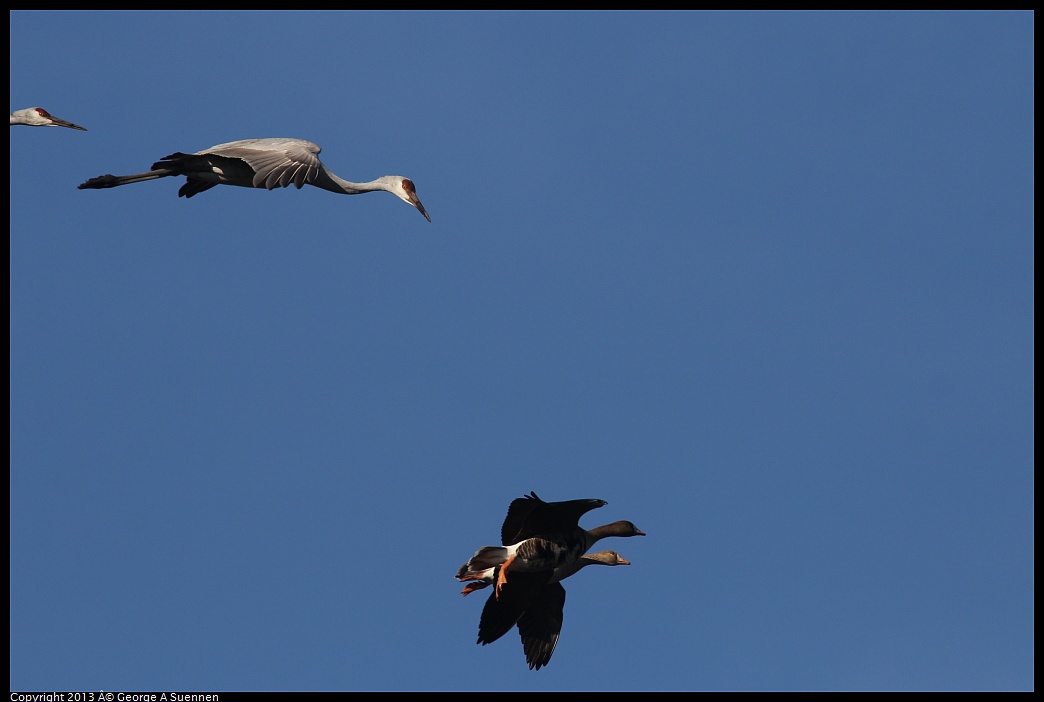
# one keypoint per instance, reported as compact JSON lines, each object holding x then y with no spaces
{"x":62,"y":123}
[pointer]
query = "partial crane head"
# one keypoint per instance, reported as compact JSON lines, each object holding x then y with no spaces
{"x":39,"y":117}
{"x":404,"y":189}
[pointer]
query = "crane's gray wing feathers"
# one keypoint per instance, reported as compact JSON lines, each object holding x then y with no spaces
{"x":276,"y":162}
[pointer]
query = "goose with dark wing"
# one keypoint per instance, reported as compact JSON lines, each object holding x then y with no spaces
{"x":535,"y":604}
{"x":541,"y":536}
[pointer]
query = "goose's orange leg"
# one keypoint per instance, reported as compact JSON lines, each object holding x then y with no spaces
{"x":502,"y":575}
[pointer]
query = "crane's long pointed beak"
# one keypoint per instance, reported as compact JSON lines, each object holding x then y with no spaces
{"x":417,"y":203}
{"x":62,"y":123}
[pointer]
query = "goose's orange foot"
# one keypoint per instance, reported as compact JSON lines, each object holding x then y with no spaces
{"x":471,"y":587}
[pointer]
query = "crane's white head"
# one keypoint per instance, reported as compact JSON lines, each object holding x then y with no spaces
{"x":39,"y":117}
{"x":404,"y":189}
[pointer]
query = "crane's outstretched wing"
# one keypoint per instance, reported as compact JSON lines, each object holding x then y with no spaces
{"x":276,"y":162}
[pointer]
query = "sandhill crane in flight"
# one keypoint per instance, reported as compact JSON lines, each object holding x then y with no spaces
{"x":259,"y":163}
{"x":39,"y":117}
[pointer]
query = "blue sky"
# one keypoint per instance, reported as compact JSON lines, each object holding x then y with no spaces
{"x":761,"y":281}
